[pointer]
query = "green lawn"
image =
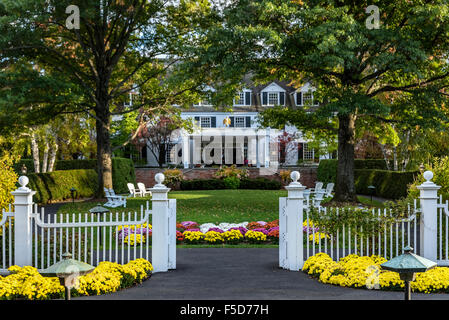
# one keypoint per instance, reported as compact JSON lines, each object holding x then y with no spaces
{"x":205,"y":206}
{"x":213,"y":206}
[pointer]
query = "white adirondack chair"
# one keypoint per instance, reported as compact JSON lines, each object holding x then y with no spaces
{"x":118,"y":199}
{"x":329,"y":189}
{"x":113,"y":199}
{"x":318,"y":187}
{"x":319,"y":196}
{"x":306,"y":194}
{"x":132,"y":190}
{"x":144,"y":191}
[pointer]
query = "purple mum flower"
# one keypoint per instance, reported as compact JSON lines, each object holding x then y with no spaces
{"x":264,"y":231}
{"x":215,"y":229}
{"x":272,"y":229}
{"x":242,"y":230}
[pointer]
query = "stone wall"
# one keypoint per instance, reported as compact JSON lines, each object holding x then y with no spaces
{"x":146,"y":175}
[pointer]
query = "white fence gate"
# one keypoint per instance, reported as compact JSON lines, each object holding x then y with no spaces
{"x":428,"y":235}
{"x":30,"y":237}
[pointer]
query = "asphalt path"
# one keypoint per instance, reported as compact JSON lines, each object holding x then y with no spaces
{"x":242,"y":274}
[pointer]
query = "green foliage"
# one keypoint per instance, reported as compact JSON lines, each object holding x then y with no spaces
{"x":203,"y":184}
{"x":173,"y":176}
{"x":231,"y":171}
{"x":440,"y":169}
{"x":8,"y":180}
{"x":27,"y":162}
{"x":389,"y":184}
{"x":327,"y":169}
{"x":122,"y":173}
{"x":212,"y":184}
{"x":361,"y":221}
{"x":231,"y":182}
{"x":56,"y":185}
{"x":75,"y":164}
{"x":260,"y":184}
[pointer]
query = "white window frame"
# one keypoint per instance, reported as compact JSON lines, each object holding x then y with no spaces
{"x":311,"y":97}
{"x":273,"y":88}
{"x":241,"y":95}
{"x":204,"y":118}
{"x":242,"y":122}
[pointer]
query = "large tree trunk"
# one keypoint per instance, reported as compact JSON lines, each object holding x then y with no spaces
{"x":344,"y":186}
{"x":104,"y":151}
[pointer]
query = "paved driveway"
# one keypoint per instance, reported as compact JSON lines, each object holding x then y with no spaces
{"x":242,"y":274}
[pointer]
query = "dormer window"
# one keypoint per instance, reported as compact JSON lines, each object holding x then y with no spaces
{"x":243,"y":98}
{"x":206,"y":102}
{"x":304,"y":96}
{"x":273,"y":95}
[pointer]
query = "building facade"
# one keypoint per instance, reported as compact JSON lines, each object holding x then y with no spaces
{"x":235,"y":137}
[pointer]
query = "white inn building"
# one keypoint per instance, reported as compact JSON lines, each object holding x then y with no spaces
{"x":236,"y":137}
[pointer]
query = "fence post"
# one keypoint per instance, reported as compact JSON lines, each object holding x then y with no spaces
{"x":428,"y":223}
{"x":23,"y":205}
{"x":294,"y":220}
{"x":160,"y":233}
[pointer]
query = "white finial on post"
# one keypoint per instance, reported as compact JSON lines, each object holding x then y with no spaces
{"x":23,"y":181}
{"x":23,"y":206}
{"x":159,"y":177}
{"x":428,"y":199}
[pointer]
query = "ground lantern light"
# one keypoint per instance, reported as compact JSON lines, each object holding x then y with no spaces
{"x":72,"y":192}
{"x":99,"y":210}
{"x":407,"y":265}
{"x":68,"y":270}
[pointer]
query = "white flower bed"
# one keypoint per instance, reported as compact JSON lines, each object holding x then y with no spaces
{"x":223,"y":226}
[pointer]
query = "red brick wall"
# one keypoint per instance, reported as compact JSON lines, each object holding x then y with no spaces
{"x":146,"y":175}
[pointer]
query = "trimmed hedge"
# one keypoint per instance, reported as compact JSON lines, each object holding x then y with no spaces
{"x":203,"y":184}
{"x":389,"y":184}
{"x":212,"y":184}
{"x":122,"y":170}
{"x":327,"y":169}
{"x":260,"y":183}
{"x":76,"y":164}
{"x":56,"y":185}
{"x":122,"y":173}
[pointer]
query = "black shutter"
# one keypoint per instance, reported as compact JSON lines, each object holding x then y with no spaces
{"x":248,"y":122}
{"x":213,"y":122}
{"x":298,"y":98}
{"x":264,"y":98}
{"x":232,"y":122}
{"x":282,"y":98}
{"x":247,"y":98}
{"x":197,"y":119}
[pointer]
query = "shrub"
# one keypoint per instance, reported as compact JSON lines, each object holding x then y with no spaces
{"x":56,"y":185}
{"x":76,"y":164}
{"x":231,"y":182}
{"x":440,"y":169}
{"x":389,"y":184}
{"x":122,"y":173}
{"x":203,"y":184}
{"x":232,"y":171}
{"x":27,"y":162}
{"x":260,"y":184}
{"x":327,"y":169}
{"x":285,"y":175}
{"x":173,"y":177}
{"x":8,"y":180}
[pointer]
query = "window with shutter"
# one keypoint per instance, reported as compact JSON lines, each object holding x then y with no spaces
{"x":282,"y":98}
{"x":299,"y":98}
{"x":248,"y":122}
{"x":247,"y":98}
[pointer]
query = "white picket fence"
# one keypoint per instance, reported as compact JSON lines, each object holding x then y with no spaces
{"x":428,"y":234}
{"x":39,"y":239}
